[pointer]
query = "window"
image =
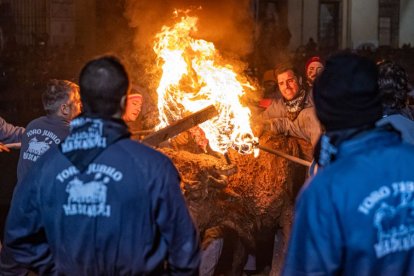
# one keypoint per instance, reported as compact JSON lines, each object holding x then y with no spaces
{"x":388,"y":22}
{"x":328,"y":31}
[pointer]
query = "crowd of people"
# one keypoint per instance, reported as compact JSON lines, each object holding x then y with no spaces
{"x":89,"y":200}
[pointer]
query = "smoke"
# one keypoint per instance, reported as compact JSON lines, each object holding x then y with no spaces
{"x":226,"y":23}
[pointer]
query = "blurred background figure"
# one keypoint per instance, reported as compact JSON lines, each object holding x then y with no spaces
{"x":270,"y":89}
{"x":313,"y":68}
{"x":133,"y":107}
{"x":393,"y":84}
{"x":393,"y":87}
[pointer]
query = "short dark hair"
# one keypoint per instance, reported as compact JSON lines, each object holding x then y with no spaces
{"x":57,"y":91}
{"x":103,"y":82}
{"x":393,"y":85}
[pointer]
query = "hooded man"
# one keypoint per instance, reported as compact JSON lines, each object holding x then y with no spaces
{"x":355,"y":216}
{"x":101,"y":203}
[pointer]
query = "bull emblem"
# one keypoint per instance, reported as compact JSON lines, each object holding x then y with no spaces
{"x":38,"y":147}
{"x":93,"y":192}
{"x":393,"y":221}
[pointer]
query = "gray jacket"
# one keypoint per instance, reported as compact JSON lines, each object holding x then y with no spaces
{"x":306,"y":126}
{"x":10,"y":133}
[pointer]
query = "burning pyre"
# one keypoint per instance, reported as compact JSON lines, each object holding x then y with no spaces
{"x":194,"y":76}
{"x":252,"y":198}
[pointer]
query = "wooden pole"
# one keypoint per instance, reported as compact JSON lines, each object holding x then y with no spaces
{"x":184,"y":124}
{"x":287,"y":156}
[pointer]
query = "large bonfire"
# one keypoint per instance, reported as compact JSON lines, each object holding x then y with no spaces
{"x":250,"y":198}
{"x":195,"y":76}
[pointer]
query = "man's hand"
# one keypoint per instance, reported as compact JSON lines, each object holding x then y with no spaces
{"x":259,"y":128}
{"x":210,"y":235}
{"x":4,"y":148}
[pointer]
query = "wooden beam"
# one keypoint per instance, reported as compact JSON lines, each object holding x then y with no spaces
{"x":184,"y":124}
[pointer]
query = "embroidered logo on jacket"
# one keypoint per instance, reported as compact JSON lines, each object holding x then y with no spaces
{"x":394,"y":221}
{"x":39,"y":144}
{"x":37,"y":147}
{"x":87,"y":139}
{"x":88,"y":197}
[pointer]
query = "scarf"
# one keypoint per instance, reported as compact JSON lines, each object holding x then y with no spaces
{"x":295,"y":106}
{"x":89,"y":137}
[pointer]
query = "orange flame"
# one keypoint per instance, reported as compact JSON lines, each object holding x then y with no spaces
{"x":194,"y":76}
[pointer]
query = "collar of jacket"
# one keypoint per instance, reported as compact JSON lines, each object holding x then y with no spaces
{"x":380,"y":137}
{"x":308,"y":99}
{"x":89,"y":137}
{"x":56,"y":118}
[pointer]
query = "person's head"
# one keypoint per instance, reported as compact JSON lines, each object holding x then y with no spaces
{"x":104,"y":84}
{"x":269,"y":84}
{"x":287,"y":80}
{"x":346,"y":93}
{"x":393,"y":85}
{"x":61,"y":98}
{"x":313,"y":68}
{"x":133,"y":106}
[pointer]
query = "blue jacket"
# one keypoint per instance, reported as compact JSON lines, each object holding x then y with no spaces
{"x":356,"y":216}
{"x":120,"y":213}
{"x":40,"y":135}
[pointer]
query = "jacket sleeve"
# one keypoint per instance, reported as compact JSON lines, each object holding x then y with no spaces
{"x":306,"y":126}
{"x":275,"y":110}
{"x":176,"y":225}
{"x":281,"y":126}
{"x":24,"y":235}
{"x":309,"y":125}
{"x":10,"y":133}
{"x":315,"y":246}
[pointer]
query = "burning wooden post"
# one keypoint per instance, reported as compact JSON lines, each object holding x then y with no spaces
{"x":184,"y":124}
{"x":197,"y":118}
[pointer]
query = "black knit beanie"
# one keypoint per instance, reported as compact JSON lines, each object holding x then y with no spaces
{"x":346,"y":93}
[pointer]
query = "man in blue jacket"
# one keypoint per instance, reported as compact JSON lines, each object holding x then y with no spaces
{"x":356,"y":216}
{"x":61,"y":102}
{"x":101,"y":203}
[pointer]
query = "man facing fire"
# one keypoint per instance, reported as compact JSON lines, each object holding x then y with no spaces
{"x":293,"y":114}
{"x":61,"y":102}
{"x":102,"y":203}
